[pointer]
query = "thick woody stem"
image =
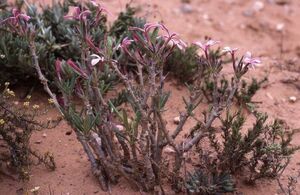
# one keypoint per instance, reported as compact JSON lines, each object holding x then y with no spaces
{"x":129,"y":88}
{"x":215,"y":112}
{"x":41,"y":76}
{"x":194,"y":100}
{"x":166,"y":134}
{"x":95,"y":169}
{"x":81,"y":138}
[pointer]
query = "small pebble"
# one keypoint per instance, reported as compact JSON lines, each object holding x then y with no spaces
{"x":282,"y":2}
{"x":280,"y":27}
{"x":35,"y":189}
{"x":205,"y":16}
{"x":186,"y":8}
{"x":269,"y":96}
{"x":176,"y":11}
{"x":44,"y":135}
{"x":176,"y":120}
{"x":242,"y":26}
{"x":292,"y":99}
{"x":248,"y":13}
{"x":258,"y":6}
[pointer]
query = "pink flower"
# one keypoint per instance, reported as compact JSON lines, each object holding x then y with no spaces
{"x":78,"y":14}
{"x":168,"y":37}
{"x":232,"y":52}
{"x":83,"y":15}
{"x":149,"y":26}
{"x":77,"y":69}
{"x":92,"y":45}
{"x":249,"y":61}
{"x":75,"y":14}
{"x":229,"y":50}
{"x":93,"y":2}
{"x":125,"y":43}
{"x":205,"y":47}
{"x":96,"y":59}
{"x":179,"y":43}
{"x":173,"y":38}
{"x":100,"y":7}
{"x":15,"y":12}
{"x":58,"y":68}
{"x":17,"y":15}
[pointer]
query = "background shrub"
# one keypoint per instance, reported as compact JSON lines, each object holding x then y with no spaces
{"x":18,"y":120}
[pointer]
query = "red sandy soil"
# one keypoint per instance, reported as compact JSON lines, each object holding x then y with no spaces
{"x":272,"y":33}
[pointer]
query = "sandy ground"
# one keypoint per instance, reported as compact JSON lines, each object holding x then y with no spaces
{"x":268,"y":28}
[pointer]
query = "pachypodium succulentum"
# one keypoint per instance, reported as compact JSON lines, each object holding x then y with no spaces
{"x":129,"y":139}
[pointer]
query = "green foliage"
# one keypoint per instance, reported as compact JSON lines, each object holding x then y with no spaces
{"x":126,"y":19}
{"x":264,"y":150}
{"x":183,"y":64}
{"x":56,"y":39}
{"x":123,"y":131}
{"x":14,"y":61}
{"x":208,"y":183}
{"x":246,"y":92}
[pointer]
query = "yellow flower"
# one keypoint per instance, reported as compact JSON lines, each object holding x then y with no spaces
{"x":51,"y":101}
{"x":35,"y":189}
{"x":10,"y":92}
{"x":35,"y":106}
{"x":2,"y":122}
{"x":28,"y":97}
{"x":26,"y":104}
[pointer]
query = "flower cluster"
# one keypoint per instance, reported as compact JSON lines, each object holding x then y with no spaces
{"x":51,"y":101}
{"x":16,"y":18}
{"x":81,"y":14}
{"x":2,"y":121}
{"x":153,"y":44}
{"x":35,"y":106}
{"x":169,"y":38}
{"x":248,"y":60}
{"x":18,"y":22}
{"x":26,"y":104}
{"x":9,"y":92}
